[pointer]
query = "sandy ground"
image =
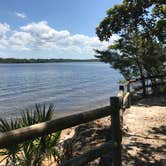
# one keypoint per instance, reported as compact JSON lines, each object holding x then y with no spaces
{"x":144,"y":141}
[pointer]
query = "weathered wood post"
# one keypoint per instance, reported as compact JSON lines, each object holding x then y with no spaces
{"x":116,"y":130}
{"x":121,"y":87}
{"x":121,"y":94}
{"x":147,"y":88}
{"x":128,"y":86}
{"x":129,"y":97}
{"x":143,"y":86}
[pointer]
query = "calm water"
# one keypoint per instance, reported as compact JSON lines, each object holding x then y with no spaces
{"x":69,"y":86}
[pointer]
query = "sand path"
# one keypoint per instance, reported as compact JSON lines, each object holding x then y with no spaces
{"x":144,"y":141}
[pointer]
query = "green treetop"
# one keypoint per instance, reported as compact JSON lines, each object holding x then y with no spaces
{"x":140,"y":50}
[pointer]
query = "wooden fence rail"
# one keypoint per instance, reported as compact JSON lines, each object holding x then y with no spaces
{"x":160,"y":81}
{"x":148,"y":77}
{"x":91,"y":155}
{"x":150,"y":86}
{"x":26,"y":133}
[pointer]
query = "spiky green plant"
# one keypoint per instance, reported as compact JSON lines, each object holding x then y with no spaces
{"x":42,"y":146}
{"x":11,"y":152}
{"x":32,"y":152}
{"x":40,"y":113}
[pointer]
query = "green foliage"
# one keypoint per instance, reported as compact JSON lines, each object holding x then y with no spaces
{"x":31,"y":152}
{"x":131,"y":16}
{"x":140,"y":50}
{"x":37,"y":115}
{"x":11,"y":153}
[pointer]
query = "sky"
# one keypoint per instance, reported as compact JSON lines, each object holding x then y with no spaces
{"x":52,"y":28}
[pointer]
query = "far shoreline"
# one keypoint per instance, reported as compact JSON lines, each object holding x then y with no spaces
{"x":17,"y":61}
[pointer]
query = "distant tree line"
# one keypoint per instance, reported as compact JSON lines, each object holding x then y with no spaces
{"x":14,"y":60}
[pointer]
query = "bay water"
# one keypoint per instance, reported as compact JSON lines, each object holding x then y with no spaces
{"x":72,"y":87}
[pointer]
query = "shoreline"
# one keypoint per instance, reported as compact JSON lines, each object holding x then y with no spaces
{"x":24,"y":61}
{"x":79,"y":109}
{"x":60,"y":112}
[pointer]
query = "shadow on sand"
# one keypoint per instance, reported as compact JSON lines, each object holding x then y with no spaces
{"x":86,"y":137}
{"x":145,"y":153}
{"x":152,"y":151}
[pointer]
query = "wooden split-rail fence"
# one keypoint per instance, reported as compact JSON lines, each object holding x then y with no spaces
{"x":113,"y":147}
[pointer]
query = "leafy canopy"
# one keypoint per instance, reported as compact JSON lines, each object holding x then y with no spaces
{"x":141,"y":26}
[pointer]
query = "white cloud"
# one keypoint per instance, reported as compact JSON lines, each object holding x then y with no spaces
{"x":20,"y":14}
{"x":44,"y":38}
{"x":20,"y":40}
{"x":4,"y":28}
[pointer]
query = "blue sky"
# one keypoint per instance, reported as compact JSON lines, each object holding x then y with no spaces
{"x":51,"y":28}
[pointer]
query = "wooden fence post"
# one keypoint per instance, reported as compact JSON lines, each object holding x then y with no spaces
{"x":143,"y":86}
{"x":129,"y":98}
{"x":120,"y":95}
{"x":121,"y":87}
{"x":116,"y":130}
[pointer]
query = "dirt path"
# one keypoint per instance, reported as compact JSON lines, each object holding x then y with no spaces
{"x":144,"y":141}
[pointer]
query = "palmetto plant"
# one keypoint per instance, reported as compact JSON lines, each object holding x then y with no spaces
{"x":10,"y":153}
{"x":31,"y":152}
